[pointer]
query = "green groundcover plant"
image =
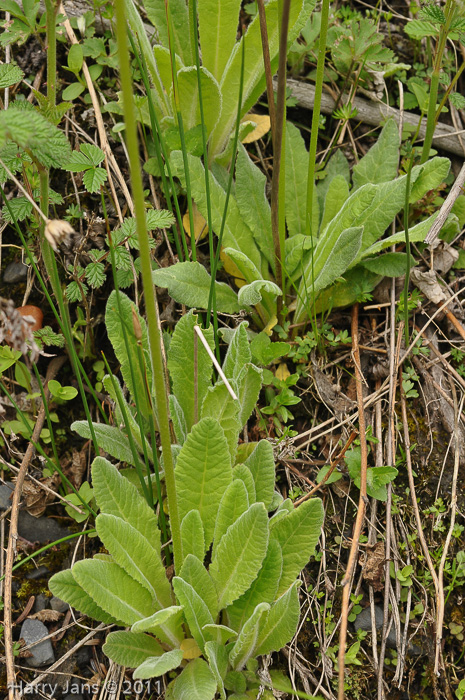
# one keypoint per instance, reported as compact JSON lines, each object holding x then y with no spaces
{"x":234,"y":593}
{"x":349,"y":217}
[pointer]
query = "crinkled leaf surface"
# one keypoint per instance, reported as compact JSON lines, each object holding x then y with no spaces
{"x":203,"y":473}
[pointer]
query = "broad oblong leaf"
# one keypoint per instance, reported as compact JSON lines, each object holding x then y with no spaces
{"x":388,"y":265}
{"x":64,"y":586}
{"x":178,"y":419}
{"x":218,"y":23}
{"x":246,"y":642}
{"x":116,"y":495}
{"x":297,"y":534}
{"x":195,"y":574}
{"x":189,"y":283}
{"x":136,"y":555}
{"x":219,"y":404}
{"x":262,"y":467}
{"x":252,"y":203}
{"x":131,"y":648}
{"x":192,"y":535}
{"x":136,"y":378}
{"x":263,"y":589}
{"x":254,"y":76}
{"x":159,"y":665}
{"x":181,"y":366}
{"x":238,"y":353}
{"x":188,"y":93}
{"x":109,"y":437}
{"x":248,"y":387}
{"x":217,"y":656}
{"x":337,"y":194}
{"x":195,"y":682}
{"x":381,"y":162}
{"x":236,"y":232}
{"x":113,"y":590}
{"x":195,"y":609}
{"x":203,"y":473}
{"x":156,"y":12}
{"x":296,"y":185}
{"x":280,"y":624}
{"x":240,"y":554}
{"x":234,"y":503}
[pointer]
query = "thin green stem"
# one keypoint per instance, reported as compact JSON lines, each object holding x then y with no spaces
{"x":278,"y":151}
{"x":49,"y":546}
{"x":449,"y":11}
{"x":51,"y":9}
{"x":407,"y":248}
{"x":320,"y":70}
{"x":155,"y":339}
{"x":174,"y":77}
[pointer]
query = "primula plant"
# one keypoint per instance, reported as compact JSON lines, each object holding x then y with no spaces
{"x":234,"y":593}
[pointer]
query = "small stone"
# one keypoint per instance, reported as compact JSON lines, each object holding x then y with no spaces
{"x":40,"y":529}
{"x":41,"y":602}
{"x":363,"y":622}
{"x":14,"y":273}
{"x":37,"y":573}
{"x":42,"y":653}
{"x":6,"y":494}
{"x":58,"y":604}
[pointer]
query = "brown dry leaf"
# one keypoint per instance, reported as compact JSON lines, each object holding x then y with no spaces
{"x":329,"y":393}
{"x":35,"y":498}
{"x":200,"y":224}
{"x":263,"y":123}
{"x":46,"y":616}
{"x":373,"y":561}
{"x":76,"y":467}
{"x":190,"y":648}
{"x":428,"y":285}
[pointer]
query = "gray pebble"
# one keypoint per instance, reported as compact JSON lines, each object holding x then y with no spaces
{"x":363,"y":622}
{"x":15,"y":272}
{"x":42,"y":653}
{"x":6,"y":493}
{"x":37,"y":573}
{"x":58,"y":604}
{"x":41,"y":530}
{"x":41,"y":602}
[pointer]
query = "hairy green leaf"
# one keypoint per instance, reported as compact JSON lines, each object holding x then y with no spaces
{"x":280,"y":624}
{"x":240,"y":554}
{"x":131,"y":648}
{"x":388,"y":265}
{"x":182,"y":370}
{"x":218,"y":23}
{"x":246,"y":642}
{"x":192,"y":535}
{"x":381,"y":162}
{"x":234,"y":503}
{"x":195,"y":609}
{"x":189,"y":283}
{"x":296,"y":185}
{"x":251,"y":294}
{"x":219,"y":404}
{"x":159,"y":665}
{"x":195,"y":682}
{"x":298,"y":534}
{"x":195,"y":574}
{"x":262,"y":467}
{"x":203,"y":473}
{"x":189,"y":98}
{"x":64,"y":586}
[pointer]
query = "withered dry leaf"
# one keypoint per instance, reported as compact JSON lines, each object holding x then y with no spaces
{"x":372,"y":561}
{"x":46,"y":616}
{"x":331,"y":396}
{"x":428,"y":285}
{"x":75,"y":467}
{"x":35,"y":498}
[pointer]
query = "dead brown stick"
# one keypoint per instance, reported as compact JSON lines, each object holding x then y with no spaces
{"x":361,"y":504}
{"x":52,"y":370}
{"x":333,"y":466}
{"x":374,"y":113}
{"x":445,"y":210}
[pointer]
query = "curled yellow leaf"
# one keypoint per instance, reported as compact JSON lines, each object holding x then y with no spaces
{"x":282,"y":372}
{"x":200,"y":225}
{"x":190,"y":648}
{"x":263,"y":125}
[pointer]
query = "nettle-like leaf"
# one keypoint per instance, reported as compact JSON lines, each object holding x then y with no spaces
{"x":203,"y":473}
{"x":240,"y":554}
{"x":182,"y":370}
{"x":9,"y":75}
{"x":32,"y":132}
